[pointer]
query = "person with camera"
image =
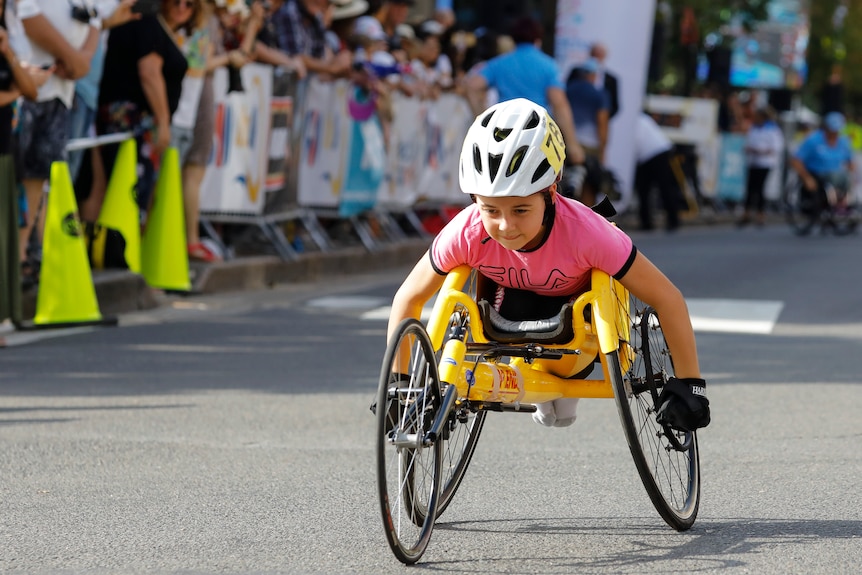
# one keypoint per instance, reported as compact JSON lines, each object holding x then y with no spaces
{"x":82,"y":115}
{"x":62,"y":35}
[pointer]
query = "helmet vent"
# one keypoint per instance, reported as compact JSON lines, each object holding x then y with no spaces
{"x":532,"y":121}
{"x":541,"y":170}
{"x":487,"y":119}
{"x":517,"y":159}
{"x":477,"y":158}
{"x":501,"y":134}
{"x":494,"y":161}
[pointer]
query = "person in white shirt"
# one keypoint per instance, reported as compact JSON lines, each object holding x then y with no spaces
{"x":764,"y":144}
{"x":63,"y":35}
{"x":653,"y":154}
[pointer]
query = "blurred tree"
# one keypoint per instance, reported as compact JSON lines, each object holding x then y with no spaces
{"x":690,"y":26}
{"x":825,"y":49}
{"x":835,"y":53}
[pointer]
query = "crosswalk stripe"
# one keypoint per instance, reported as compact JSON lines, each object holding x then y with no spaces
{"x":734,"y":316}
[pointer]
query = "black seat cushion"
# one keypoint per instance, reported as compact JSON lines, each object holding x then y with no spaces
{"x":558,"y":329}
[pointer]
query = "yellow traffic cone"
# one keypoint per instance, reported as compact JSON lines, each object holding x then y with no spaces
{"x":164,"y":254}
{"x":66,"y":294}
{"x":120,"y":210}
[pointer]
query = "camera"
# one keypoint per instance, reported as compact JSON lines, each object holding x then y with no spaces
{"x":147,"y":7}
{"x":83,"y":14}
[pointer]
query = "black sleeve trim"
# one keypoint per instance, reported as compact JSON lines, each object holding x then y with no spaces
{"x":434,"y":265}
{"x":626,"y":266}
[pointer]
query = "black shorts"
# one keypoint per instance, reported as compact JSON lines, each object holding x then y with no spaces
{"x":42,"y":137}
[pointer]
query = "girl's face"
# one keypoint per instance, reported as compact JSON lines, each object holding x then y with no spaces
{"x":514,"y":223}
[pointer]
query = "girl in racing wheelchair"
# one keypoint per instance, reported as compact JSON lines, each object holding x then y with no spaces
{"x":539,"y":248}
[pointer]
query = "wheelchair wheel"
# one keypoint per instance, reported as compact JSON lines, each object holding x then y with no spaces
{"x":843,"y":215}
{"x":461,"y":433}
{"x":667,"y":460}
{"x":844,"y":223}
{"x":801,"y":208}
{"x":408,"y":471}
{"x":465,"y":425}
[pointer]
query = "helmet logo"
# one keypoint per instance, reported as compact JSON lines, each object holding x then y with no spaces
{"x":553,"y":146}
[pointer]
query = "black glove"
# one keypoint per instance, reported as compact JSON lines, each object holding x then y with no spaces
{"x":683,"y":405}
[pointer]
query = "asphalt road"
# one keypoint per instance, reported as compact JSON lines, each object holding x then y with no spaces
{"x":231,"y":434}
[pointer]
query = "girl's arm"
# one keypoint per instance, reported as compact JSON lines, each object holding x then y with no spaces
{"x":647,"y":283}
{"x":417,"y":289}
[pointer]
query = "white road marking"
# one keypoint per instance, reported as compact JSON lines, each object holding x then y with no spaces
{"x":382,"y":313}
{"x":348,"y":302}
{"x":734,"y":315}
{"x":15,"y":338}
{"x":707,"y":315}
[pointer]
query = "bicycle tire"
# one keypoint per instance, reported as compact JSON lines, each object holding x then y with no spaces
{"x":668,"y":461}
{"x":408,"y":472}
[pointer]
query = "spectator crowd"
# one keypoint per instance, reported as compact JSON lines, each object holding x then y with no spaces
{"x":72,"y":69}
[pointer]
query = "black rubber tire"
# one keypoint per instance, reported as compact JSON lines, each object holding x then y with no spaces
{"x":408,"y":473}
{"x":800,"y":209}
{"x":667,"y":460}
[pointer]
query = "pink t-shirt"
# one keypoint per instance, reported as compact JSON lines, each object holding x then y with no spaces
{"x":580,"y":240}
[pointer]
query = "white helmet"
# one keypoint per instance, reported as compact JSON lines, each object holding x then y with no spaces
{"x":513,"y":148}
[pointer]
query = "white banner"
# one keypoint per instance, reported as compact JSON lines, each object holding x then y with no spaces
{"x":325,"y":144}
{"x":236,"y":172}
{"x":625,"y":28}
{"x":422,"y":149}
{"x":405,"y":154}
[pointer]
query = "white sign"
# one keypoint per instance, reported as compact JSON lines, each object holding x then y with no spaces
{"x":236,"y":172}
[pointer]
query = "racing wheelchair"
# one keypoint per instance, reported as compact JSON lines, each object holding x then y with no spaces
{"x":438,"y":383}
{"x":833,"y":206}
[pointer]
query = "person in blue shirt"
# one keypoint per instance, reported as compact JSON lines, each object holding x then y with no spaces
{"x":527,"y":72}
{"x":825,"y":158}
{"x":591,"y":113}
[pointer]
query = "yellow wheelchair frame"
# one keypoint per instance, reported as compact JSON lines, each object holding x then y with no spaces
{"x":437,"y":385}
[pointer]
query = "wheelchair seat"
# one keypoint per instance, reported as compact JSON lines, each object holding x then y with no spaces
{"x":558,"y":329}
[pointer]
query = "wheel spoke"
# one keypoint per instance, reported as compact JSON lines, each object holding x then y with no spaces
{"x":668,"y":466}
{"x":408,"y":472}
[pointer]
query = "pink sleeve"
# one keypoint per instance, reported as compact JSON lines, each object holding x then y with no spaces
{"x":450,"y":248}
{"x":610,"y":247}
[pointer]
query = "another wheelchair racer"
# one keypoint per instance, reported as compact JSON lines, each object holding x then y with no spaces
{"x":825,"y":159}
{"x":539,"y":249}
